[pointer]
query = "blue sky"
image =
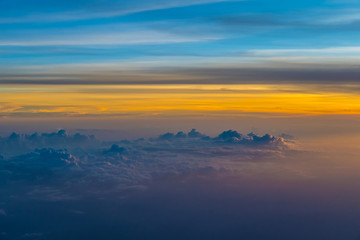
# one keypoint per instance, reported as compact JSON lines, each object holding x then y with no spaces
{"x":155,"y":33}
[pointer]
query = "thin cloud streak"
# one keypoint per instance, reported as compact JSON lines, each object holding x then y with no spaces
{"x":332,"y":50}
{"x":317,"y":65}
{"x":199,"y":76}
{"x":84,"y":15}
{"x":112,"y":39}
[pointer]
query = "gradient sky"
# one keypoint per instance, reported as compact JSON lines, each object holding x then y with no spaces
{"x":117,"y":73}
{"x":203,"y":57}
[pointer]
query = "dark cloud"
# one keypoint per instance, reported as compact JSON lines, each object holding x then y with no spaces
{"x":45,"y":158}
{"x":192,"y":134}
{"x":279,"y":71}
{"x":41,"y":166}
{"x":16,"y":144}
{"x":81,"y":160}
{"x":278,"y":75}
{"x":115,"y":149}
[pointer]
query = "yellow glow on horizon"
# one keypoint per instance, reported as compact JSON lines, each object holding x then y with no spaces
{"x":84,"y":100}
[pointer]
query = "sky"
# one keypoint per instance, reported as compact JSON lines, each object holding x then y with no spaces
{"x":169,"y":119}
{"x":155,"y":58}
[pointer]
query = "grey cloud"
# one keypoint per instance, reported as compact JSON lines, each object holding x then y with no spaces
{"x":83,"y":162}
{"x":115,"y":149}
{"x":192,"y":134}
{"x":291,"y":74}
{"x":229,"y":136}
{"x":40,"y":166}
{"x":16,"y":144}
{"x":46,"y":157}
{"x":287,"y":136}
{"x":278,"y":71}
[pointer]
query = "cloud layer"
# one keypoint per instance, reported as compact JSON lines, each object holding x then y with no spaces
{"x":58,"y":162}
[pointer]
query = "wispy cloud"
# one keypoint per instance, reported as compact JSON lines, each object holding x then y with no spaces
{"x":118,"y":9}
{"x":308,"y":21}
{"x":308,"y":65}
{"x":352,"y":50}
{"x":131,"y":38}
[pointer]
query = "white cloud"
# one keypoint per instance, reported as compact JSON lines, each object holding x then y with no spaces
{"x":128,"y":38}
{"x":330,"y":50}
{"x":346,"y":17}
{"x":121,"y":10}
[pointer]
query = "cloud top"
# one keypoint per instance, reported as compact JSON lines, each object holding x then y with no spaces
{"x":58,"y":162}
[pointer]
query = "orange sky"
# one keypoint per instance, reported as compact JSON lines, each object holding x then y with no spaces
{"x":128,"y":100}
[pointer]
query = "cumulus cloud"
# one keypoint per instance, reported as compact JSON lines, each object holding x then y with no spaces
{"x":59,"y":163}
{"x":17,"y":144}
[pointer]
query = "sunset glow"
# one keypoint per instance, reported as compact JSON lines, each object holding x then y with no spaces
{"x":168,"y":100}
